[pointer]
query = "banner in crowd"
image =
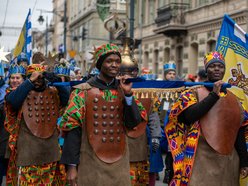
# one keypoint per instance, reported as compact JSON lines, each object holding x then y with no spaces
{"x":24,"y":43}
{"x":233,"y":44}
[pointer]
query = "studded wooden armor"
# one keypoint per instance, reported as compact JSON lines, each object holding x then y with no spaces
{"x":104,"y":123}
{"x":221,"y":124}
{"x":140,"y":129}
{"x":41,"y":111}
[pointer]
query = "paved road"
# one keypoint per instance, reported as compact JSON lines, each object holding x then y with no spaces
{"x":160,"y":182}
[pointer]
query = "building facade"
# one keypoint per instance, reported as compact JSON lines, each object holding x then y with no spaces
{"x":84,"y":18}
{"x":179,"y":30}
{"x":182,"y":31}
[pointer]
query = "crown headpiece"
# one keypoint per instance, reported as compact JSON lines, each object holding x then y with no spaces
{"x":212,"y":57}
{"x":17,"y":69}
{"x":170,"y":66}
{"x":62,"y":68}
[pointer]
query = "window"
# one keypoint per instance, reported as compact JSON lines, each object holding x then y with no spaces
{"x":202,"y":2}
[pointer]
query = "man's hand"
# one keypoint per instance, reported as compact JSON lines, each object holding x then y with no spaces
{"x":71,"y":175}
{"x":126,"y":87}
{"x":244,"y":172}
{"x":217,"y":86}
{"x":155,"y":144}
{"x":35,"y":75}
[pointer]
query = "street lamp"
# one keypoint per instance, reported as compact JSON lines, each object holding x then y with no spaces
{"x":41,"y":21}
{"x":64,"y":17}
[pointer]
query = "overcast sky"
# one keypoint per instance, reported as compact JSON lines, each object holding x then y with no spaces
{"x":13,"y":14}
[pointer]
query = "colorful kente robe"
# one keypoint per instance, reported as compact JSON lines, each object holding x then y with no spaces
{"x":74,"y":115}
{"x":92,"y":170}
{"x":183,"y":139}
{"x":139,"y":172}
{"x":49,"y":174}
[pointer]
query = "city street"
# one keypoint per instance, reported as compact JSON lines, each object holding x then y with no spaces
{"x":160,"y":182}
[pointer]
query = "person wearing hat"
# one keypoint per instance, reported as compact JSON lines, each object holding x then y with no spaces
{"x":62,"y":71}
{"x":169,"y":75}
{"x":22,"y":60}
{"x":95,"y":148}
{"x":143,"y":141}
{"x":206,"y":135}
{"x":165,"y":105}
{"x":32,"y":110}
{"x":16,"y":77}
{"x":170,"y":71}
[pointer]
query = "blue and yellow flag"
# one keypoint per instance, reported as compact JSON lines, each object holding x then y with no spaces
{"x":24,"y":43}
{"x":233,"y":44}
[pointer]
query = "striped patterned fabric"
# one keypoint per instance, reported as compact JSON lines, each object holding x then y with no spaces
{"x":182,"y":140}
{"x":74,"y":115}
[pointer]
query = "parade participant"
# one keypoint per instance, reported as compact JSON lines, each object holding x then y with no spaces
{"x":32,"y":110}
{"x":78,"y":73}
{"x":137,"y":138}
{"x":169,"y":75}
{"x":62,"y":70}
{"x":4,"y":136}
{"x":95,"y":148}
{"x":38,"y":58}
{"x":206,"y":135}
{"x":201,"y":76}
{"x":170,"y":71}
{"x":190,"y":78}
{"x":22,"y":60}
{"x":16,"y":77}
{"x":153,"y":133}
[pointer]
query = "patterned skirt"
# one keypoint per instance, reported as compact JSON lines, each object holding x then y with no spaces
{"x":139,"y":173}
{"x":51,"y":174}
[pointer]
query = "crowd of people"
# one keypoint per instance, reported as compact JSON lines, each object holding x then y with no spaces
{"x":99,"y":133}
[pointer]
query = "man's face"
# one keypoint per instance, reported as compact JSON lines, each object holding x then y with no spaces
{"x":39,"y":83}
{"x":15,"y":80}
{"x":111,"y":66}
{"x":215,"y":71}
{"x":170,"y":76}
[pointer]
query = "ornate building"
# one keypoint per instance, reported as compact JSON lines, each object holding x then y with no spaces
{"x":179,"y":30}
{"x":182,"y":30}
{"x":87,"y":29}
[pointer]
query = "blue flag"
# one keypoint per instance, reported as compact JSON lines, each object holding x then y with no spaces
{"x":24,"y":43}
{"x":233,"y":44}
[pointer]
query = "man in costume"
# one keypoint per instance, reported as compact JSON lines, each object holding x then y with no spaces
{"x":165,"y":105}
{"x":206,"y":133}
{"x":95,"y":148}
{"x":62,"y":70}
{"x":138,"y":138}
{"x":32,"y":110}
